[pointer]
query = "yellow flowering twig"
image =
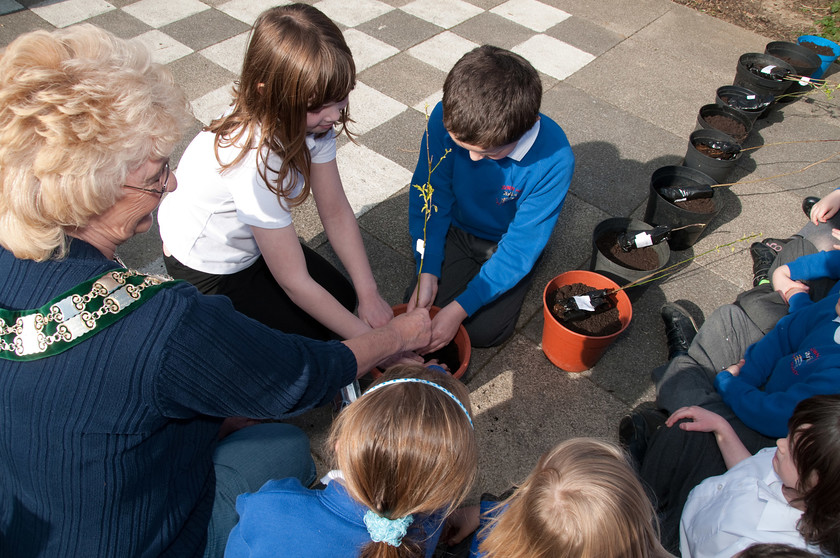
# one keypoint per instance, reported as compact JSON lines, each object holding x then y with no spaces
{"x":426,"y":192}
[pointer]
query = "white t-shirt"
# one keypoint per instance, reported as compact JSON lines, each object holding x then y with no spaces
{"x":726,"y":514}
{"x":206,"y":222}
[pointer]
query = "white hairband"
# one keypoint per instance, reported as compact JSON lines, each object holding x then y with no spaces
{"x":427,"y":382}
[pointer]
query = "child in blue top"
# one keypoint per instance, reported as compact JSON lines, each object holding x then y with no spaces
{"x":500,"y":174}
{"x":406,"y":455}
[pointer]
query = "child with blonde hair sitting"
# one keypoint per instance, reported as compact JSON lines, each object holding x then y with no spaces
{"x":582,"y":500}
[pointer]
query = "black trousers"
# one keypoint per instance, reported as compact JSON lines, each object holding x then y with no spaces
{"x":254,"y":292}
{"x":464,"y":254}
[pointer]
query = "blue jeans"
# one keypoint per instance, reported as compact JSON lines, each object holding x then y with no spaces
{"x":246,"y":460}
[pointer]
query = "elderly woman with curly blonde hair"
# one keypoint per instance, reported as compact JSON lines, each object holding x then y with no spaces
{"x":113,"y":384}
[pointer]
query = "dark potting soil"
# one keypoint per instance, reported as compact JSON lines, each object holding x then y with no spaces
{"x":598,"y":324}
{"x":447,"y":355}
{"x":819,"y":49}
{"x":728,"y":126}
{"x":640,"y":259}
{"x":712,"y":152}
{"x":699,"y":205}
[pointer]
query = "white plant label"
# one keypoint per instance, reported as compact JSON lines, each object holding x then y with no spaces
{"x":805,"y":80}
{"x":767,"y":69}
{"x":750,"y":97}
{"x":644,"y":239}
{"x":421,"y":247}
{"x":584,"y":303}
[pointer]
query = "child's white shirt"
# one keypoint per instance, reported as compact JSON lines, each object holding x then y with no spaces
{"x":206,"y":222}
{"x":725,"y":514}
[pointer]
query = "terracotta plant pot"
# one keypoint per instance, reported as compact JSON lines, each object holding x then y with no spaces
{"x":461,"y":342}
{"x":569,"y":350}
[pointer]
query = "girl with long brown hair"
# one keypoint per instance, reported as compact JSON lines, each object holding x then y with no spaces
{"x":228,"y":229}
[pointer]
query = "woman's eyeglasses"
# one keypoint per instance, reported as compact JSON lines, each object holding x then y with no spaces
{"x":163,"y":181}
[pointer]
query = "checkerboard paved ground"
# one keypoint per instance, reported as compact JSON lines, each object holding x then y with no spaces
{"x":624,"y":78}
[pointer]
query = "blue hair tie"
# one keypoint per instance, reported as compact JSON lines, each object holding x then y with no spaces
{"x":390,"y":531}
{"x":428,"y":383}
{"x":437,"y":368}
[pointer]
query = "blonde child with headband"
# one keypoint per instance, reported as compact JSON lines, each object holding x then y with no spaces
{"x":406,"y":456}
{"x":582,"y":500}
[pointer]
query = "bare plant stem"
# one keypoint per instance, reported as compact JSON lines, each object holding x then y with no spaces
{"x":832,"y":156}
{"x":662,"y":273}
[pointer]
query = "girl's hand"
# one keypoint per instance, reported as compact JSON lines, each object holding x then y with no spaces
{"x":826,"y":208}
{"x":702,"y":420}
{"x":414,"y":329}
{"x":461,"y":523}
{"x":374,"y":311}
{"x":836,"y":234}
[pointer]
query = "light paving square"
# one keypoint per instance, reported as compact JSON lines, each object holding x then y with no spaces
{"x":62,"y":14}
{"x":367,"y":50}
{"x":531,"y":14}
{"x":158,"y":13}
{"x":444,"y":13}
{"x":442,"y":51}
{"x":553,"y":57}
{"x":164,"y":48}
{"x":353,"y":13}
{"x":249,"y":10}
{"x":228,"y":54}
{"x":368,"y":177}
{"x":211,"y":105}
{"x":370,"y":108}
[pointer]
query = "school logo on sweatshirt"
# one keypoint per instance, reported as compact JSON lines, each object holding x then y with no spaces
{"x":509,"y":193}
{"x":837,"y":331}
{"x":802,"y":358}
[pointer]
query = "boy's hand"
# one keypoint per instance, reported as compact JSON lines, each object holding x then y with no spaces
{"x":702,"y":419}
{"x":461,"y":523}
{"x":735,"y":369}
{"x":786,"y":286}
{"x":826,"y":208}
{"x":427,"y":286}
{"x":445,"y":325}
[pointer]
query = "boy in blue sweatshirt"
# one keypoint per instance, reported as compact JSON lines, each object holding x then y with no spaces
{"x":501,"y":171}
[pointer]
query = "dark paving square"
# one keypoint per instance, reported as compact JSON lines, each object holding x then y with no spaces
{"x":204,"y":29}
{"x":120,"y":24}
{"x":399,"y":29}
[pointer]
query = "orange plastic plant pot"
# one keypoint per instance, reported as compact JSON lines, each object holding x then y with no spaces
{"x":572,"y":351}
{"x":461,"y":340}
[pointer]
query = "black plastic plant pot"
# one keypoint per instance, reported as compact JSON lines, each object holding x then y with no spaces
{"x":726,"y":119}
{"x":762,"y":83}
{"x":661,"y":211}
{"x":804,"y":60}
{"x":718,"y":168}
{"x":615,"y":270}
{"x":737,"y":97}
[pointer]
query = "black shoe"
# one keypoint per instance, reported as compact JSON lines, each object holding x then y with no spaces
{"x":635,"y":429}
{"x":775,"y":244}
{"x":763,"y":257}
{"x":808,"y":204}
{"x":680,"y":328}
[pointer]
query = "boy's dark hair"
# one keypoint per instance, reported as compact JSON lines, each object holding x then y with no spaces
{"x":815,"y":439}
{"x":774,"y":550}
{"x":491,"y":97}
